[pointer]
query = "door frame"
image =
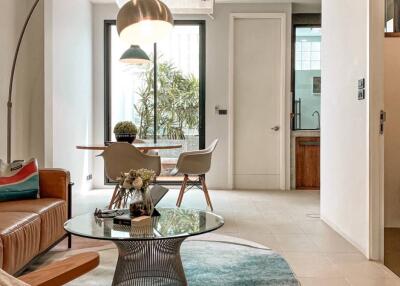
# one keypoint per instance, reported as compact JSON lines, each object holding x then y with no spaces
{"x":305,"y":20}
{"x":283,"y":96}
{"x":375,"y":101}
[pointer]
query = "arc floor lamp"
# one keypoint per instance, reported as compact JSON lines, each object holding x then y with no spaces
{"x":138,"y":21}
{"x":10,"y":89}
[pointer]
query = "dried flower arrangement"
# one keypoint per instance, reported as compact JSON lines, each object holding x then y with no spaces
{"x":134,"y":185}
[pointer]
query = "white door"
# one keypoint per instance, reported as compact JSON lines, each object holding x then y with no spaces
{"x":258,"y":92}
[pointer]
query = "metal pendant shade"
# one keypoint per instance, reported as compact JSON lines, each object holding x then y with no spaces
{"x":135,"y":55}
{"x":144,"y":21}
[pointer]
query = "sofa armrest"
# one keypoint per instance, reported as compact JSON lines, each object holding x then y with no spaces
{"x":54,"y":183}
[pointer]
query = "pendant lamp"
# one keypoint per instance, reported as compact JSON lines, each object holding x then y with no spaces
{"x":144,"y":21}
{"x":134,"y":56}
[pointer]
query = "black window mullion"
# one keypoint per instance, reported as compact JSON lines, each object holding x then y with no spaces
{"x":155,"y":94}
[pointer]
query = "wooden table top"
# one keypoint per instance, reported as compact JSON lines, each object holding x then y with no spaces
{"x":141,"y":146}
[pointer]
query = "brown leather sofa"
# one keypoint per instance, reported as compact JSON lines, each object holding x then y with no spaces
{"x":29,"y":228}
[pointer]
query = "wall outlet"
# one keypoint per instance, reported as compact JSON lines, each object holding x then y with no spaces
{"x":220,"y":111}
{"x":89,"y":177}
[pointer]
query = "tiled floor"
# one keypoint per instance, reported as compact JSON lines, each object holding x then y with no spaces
{"x":284,"y":221}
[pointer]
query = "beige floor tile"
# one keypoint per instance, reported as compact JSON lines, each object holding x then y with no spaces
{"x":252,"y":226}
{"x":276,"y":219}
{"x":346,"y":258}
{"x":367,"y":269}
{"x":312,"y":281}
{"x":331,"y":242}
{"x":268,"y":240}
{"x":286,"y":228}
{"x":306,"y":257}
{"x":295,"y":242}
{"x":317,"y":270}
{"x":366,"y":281}
{"x":315,"y":226}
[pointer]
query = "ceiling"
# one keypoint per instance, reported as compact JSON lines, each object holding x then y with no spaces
{"x":238,"y":1}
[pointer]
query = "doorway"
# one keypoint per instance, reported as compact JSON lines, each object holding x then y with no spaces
{"x":306,"y":101}
{"x":257,"y":74}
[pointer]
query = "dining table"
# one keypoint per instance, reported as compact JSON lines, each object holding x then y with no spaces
{"x":144,"y":147}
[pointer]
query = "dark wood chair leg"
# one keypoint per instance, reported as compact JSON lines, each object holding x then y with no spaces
{"x":205,"y":190}
{"x":69,"y":213}
{"x":113,"y":198}
{"x":182,"y":191}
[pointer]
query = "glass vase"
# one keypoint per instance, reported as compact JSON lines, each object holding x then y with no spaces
{"x":141,"y":203}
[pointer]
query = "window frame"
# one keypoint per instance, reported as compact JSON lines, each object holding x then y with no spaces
{"x":202,"y":83}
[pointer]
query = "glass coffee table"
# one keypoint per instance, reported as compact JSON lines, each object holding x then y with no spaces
{"x":149,"y":254}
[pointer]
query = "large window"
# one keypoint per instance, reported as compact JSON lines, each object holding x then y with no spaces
{"x":307,"y":78}
{"x":165,"y":98}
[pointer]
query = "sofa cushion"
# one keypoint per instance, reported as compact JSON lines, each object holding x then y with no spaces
{"x":52,"y":212}
{"x":20,"y":237}
{"x":19,"y":180}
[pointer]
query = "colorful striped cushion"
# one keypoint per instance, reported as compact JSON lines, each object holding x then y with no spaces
{"x":19,"y":180}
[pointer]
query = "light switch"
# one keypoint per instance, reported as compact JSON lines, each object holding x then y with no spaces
{"x":361,"y":94}
{"x":361,"y":83}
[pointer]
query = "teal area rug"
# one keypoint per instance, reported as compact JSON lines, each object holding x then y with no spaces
{"x":222,"y":263}
{"x":211,"y":260}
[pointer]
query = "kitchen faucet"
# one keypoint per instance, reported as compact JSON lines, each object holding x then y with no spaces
{"x":319,"y":118}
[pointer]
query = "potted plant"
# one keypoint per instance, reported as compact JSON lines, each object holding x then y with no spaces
{"x":125,"y":131}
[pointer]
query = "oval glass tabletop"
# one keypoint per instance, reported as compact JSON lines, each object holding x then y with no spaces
{"x":172,"y":223}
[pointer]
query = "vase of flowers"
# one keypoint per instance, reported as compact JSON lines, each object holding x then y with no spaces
{"x":125,"y":131}
{"x":133,"y":190}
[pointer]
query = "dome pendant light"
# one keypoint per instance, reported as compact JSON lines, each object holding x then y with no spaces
{"x":144,"y":21}
{"x":134,"y":56}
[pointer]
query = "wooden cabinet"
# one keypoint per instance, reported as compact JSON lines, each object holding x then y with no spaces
{"x":308,"y":163}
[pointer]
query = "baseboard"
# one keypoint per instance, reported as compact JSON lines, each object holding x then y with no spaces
{"x":345,"y":236}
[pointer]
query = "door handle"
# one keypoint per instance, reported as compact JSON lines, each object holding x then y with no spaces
{"x":275,"y":128}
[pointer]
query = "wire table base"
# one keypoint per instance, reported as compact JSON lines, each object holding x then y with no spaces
{"x":149,"y":262}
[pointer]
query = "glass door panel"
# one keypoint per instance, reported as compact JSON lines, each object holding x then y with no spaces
{"x":174,"y":105}
{"x":131,"y":96}
{"x":178,"y":114}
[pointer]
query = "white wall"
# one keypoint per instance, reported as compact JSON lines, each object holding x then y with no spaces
{"x":68,"y":62}
{"x":28,"y":119}
{"x":217,"y":46}
{"x":348,"y":48}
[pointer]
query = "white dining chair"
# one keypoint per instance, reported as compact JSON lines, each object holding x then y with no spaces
{"x":195,"y":163}
{"x":122,"y":157}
